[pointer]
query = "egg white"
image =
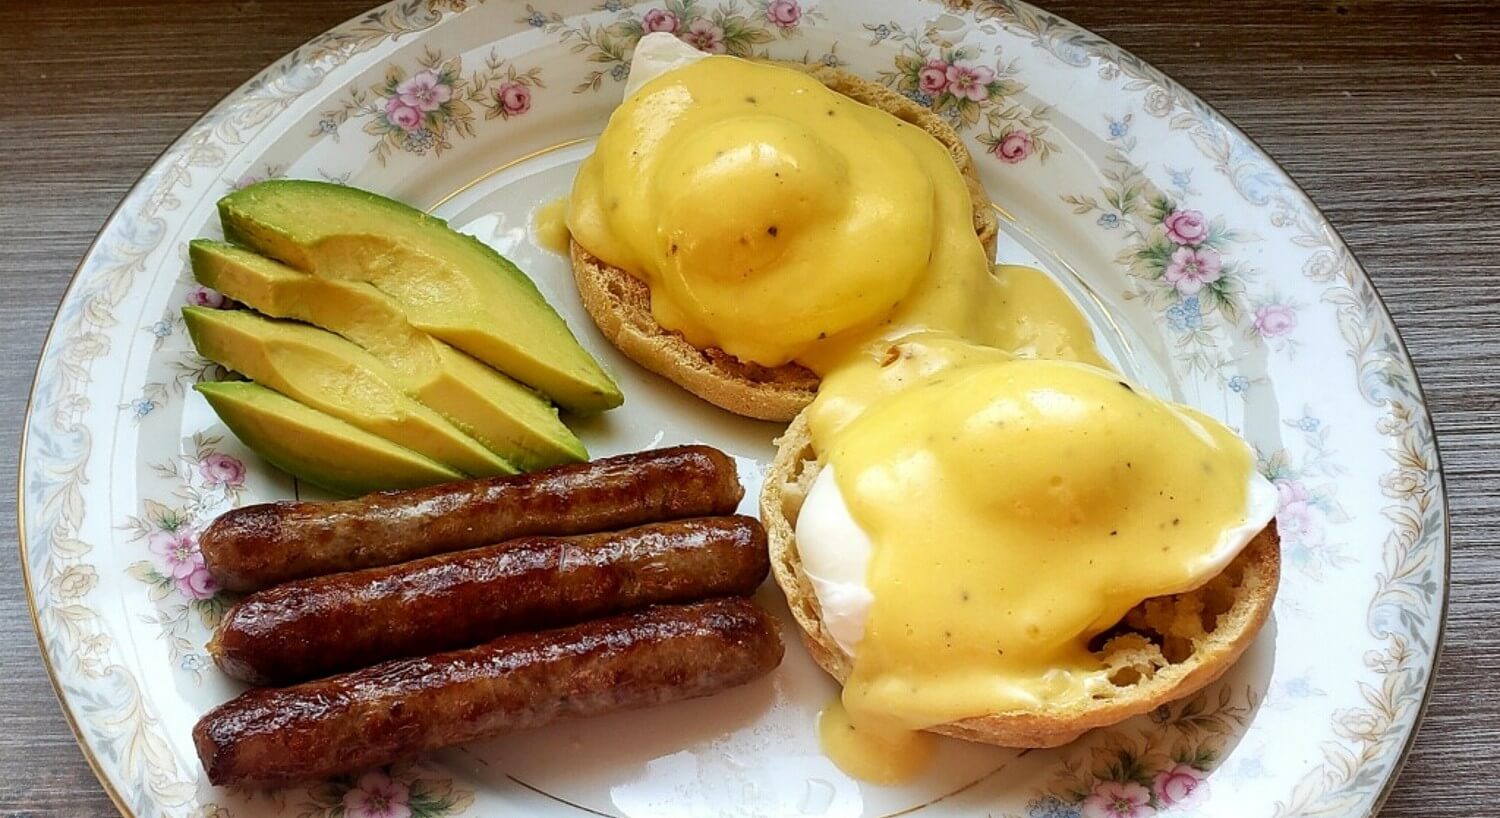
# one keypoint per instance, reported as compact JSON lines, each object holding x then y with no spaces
{"x":656,"y":54}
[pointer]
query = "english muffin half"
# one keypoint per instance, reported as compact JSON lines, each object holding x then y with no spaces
{"x":620,"y":303}
{"x":1165,"y":648}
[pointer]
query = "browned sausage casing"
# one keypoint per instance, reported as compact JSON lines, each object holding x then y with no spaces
{"x":262,"y":545}
{"x":344,"y":724}
{"x":314,"y":627}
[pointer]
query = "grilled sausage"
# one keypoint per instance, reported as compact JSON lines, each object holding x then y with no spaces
{"x":344,"y":724}
{"x":262,"y":545}
{"x":314,"y":627}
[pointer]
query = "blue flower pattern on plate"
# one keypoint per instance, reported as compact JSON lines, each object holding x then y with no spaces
{"x":1185,"y":315}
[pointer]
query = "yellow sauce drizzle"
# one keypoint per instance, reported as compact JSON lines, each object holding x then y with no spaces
{"x":873,"y":750}
{"x":550,"y":226}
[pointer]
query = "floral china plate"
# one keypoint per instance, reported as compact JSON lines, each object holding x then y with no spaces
{"x":1207,"y":274}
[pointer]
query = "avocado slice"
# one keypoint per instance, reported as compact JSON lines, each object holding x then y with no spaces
{"x":334,"y":376}
{"x":451,"y":286}
{"x":316,"y":447}
{"x":508,"y":418}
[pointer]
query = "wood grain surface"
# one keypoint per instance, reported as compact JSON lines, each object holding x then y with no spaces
{"x":1387,"y":112}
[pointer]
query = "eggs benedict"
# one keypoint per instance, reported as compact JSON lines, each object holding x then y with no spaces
{"x":982,"y":529}
{"x":743,"y":227}
{"x":1010,"y":550}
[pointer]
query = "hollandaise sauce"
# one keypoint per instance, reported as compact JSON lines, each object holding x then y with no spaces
{"x":1018,"y":507}
{"x":1018,"y":496}
{"x":551,"y":226}
{"x":873,"y":748}
{"x":780,"y":221}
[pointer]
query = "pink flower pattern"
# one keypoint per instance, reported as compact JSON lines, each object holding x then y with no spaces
{"x":933,"y":78}
{"x":1186,"y":227}
{"x":222,"y":470}
{"x":954,"y":82}
{"x":178,"y":550}
{"x":376,"y":795}
{"x":1181,"y":786}
{"x":660,"y":20}
{"x":198,"y":585}
{"x":1116,"y":799}
{"x":1275,"y":320}
{"x":204,"y":297}
{"x":425,"y":112}
{"x":423,"y":91}
{"x":514,"y":98}
{"x":784,"y":13}
{"x":1014,"y":148}
{"x":704,"y":35}
{"x":1182,"y":260}
{"x":1296,"y":516}
{"x":182,"y":562}
{"x":1191,"y":268}
{"x":403,"y":116}
{"x":969,"y":80}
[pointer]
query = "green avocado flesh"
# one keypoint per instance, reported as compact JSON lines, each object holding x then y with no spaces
{"x":318,"y":448}
{"x":332,"y":375}
{"x":450,"y":285}
{"x":508,"y":418}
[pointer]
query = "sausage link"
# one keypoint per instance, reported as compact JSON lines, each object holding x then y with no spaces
{"x":344,"y":724}
{"x":314,"y":627}
{"x":262,"y":545}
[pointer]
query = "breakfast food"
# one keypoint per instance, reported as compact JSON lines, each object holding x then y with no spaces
{"x":510,"y":419}
{"x":327,"y":373}
{"x":450,"y":285}
{"x":349,"y":723}
{"x":428,"y":632}
{"x":404,"y":329}
{"x":314,"y":627}
{"x":983,"y":530}
{"x":744,"y":226}
{"x":1011,"y":551}
{"x":318,"y":447}
{"x":258,"y":546}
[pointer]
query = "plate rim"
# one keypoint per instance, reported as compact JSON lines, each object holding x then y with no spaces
{"x":230,"y":98}
{"x":1445,"y":593}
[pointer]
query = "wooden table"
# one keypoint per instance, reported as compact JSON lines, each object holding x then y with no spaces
{"x":1387,"y":112}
